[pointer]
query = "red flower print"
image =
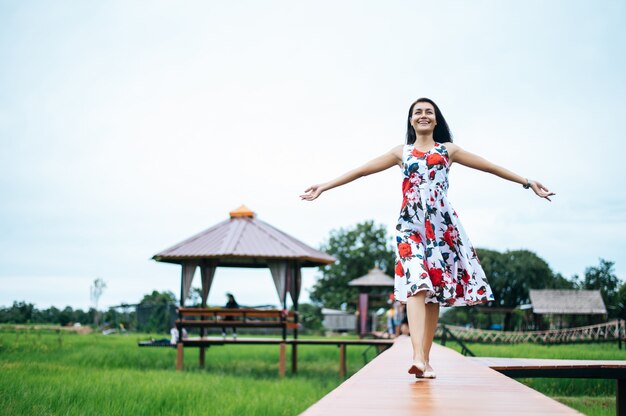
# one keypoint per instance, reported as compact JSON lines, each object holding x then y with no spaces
{"x":415,"y":178}
{"x":399,"y":269}
{"x":415,"y":237}
{"x":417,"y":153}
{"x":405,"y":250}
{"x":459,"y":290}
{"x":406,"y":185}
{"x":430,"y":233}
{"x":435,"y":159}
{"x":466,"y":276}
{"x":431,"y":175}
{"x":481,"y":291}
{"x":448,"y":238}
{"x":436,"y":276}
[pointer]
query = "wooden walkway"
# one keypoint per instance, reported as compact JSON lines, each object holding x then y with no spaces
{"x":342,"y":344}
{"x":462,"y":387}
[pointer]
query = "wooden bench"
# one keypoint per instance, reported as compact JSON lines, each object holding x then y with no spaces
{"x":531,"y":367}
{"x":204,"y":318}
{"x":241,"y":317}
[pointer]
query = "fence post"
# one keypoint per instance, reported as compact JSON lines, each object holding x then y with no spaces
{"x":281,"y":359}
{"x":342,"y":360}
{"x":179,"y":356}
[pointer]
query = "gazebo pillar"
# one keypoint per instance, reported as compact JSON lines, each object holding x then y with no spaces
{"x":295,"y":295}
{"x":363,"y":300}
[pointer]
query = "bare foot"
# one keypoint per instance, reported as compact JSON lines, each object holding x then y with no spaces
{"x":429,"y":372}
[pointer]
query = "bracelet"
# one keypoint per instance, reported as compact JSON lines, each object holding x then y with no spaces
{"x":527,"y":184}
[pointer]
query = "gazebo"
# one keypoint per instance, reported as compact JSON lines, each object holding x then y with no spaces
{"x":374,"y":278}
{"x":243,"y":241}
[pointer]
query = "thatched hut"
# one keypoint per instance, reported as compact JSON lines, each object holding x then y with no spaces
{"x":562,"y":307}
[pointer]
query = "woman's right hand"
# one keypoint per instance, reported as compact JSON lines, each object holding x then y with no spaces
{"x":312,"y":192}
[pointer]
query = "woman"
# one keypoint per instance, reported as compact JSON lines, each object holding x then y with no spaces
{"x":436,"y":262}
{"x":230,"y":304}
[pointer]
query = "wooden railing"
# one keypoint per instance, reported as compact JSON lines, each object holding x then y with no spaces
{"x":612,"y":331}
{"x":242,"y":317}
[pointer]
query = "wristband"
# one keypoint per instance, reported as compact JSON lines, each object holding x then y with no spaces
{"x":527,"y":184}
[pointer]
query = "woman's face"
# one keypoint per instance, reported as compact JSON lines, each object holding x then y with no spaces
{"x":423,"y":118}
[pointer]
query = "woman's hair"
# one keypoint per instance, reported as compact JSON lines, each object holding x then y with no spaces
{"x":441,"y":134}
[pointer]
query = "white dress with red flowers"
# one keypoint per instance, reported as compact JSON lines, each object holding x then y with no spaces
{"x":433,"y":251}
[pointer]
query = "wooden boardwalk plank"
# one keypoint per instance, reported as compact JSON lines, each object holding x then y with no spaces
{"x":529,"y":363}
{"x":462,"y":387}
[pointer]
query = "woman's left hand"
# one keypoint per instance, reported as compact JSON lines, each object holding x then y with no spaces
{"x":541,"y":190}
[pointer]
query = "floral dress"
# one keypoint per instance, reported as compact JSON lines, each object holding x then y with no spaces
{"x":433,"y":251}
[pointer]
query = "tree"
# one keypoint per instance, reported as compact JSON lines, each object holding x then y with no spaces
{"x":19,"y":313}
{"x":603,"y":278}
{"x":513,"y":273}
{"x":96,"y":291}
{"x":310,"y":316}
{"x":156,"y":312}
{"x":357,"y":250}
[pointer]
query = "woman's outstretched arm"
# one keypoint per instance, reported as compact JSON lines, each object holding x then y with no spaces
{"x":471,"y":160}
{"x":385,"y":161}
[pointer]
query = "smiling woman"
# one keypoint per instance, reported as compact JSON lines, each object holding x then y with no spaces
{"x":426,"y":116}
{"x":436,"y":262}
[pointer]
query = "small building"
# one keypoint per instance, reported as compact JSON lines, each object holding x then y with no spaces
{"x":563,"y":307}
{"x":338,"y":321}
{"x":374,"y":279}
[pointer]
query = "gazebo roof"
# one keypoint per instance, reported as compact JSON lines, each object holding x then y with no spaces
{"x":567,"y":302}
{"x":243,"y":241}
{"x":375,"y":277}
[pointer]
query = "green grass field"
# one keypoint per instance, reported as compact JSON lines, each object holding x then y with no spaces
{"x":47,"y":373}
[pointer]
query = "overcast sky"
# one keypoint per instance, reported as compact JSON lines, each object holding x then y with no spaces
{"x":127,"y":126}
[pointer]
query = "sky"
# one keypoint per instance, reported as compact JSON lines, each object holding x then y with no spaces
{"x":126,"y":127}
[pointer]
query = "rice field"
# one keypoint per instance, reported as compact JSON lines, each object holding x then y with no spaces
{"x":49,"y":373}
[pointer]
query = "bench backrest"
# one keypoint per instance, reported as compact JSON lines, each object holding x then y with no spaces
{"x":270,"y":314}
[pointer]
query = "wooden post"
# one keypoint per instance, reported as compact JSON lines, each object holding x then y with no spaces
{"x":363,"y":298}
{"x":620,"y":397}
{"x":179,"y":356}
{"x":342,"y":360}
{"x":281,"y":359}
{"x":294,"y":358}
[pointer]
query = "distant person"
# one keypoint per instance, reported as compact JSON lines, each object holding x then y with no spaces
{"x":174,"y":335}
{"x":391,"y":327}
{"x":231,"y":304}
{"x":398,"y":316}
{"x":436,"y":263}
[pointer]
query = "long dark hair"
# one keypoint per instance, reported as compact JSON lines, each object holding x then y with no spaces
{"x":441,"y":134}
